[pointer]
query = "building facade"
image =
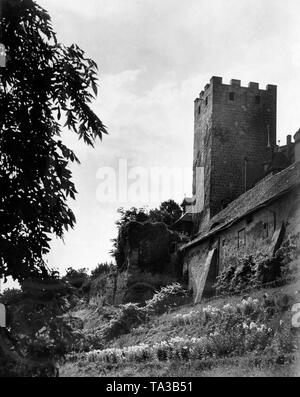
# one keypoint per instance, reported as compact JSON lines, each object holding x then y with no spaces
{"x":245,"y":187}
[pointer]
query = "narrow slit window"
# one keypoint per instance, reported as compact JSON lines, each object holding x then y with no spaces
{"x":206,"y":101}
{"x":257,"y":99}
{"x":231,"y":96}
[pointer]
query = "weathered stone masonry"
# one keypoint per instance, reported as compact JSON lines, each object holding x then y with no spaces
{"x":259,"y":231}
{"x":247,"y":200}
{"x":235,"y":127}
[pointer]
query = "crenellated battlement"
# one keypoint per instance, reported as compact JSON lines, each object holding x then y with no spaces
{"x":232,"y":123}
{"x":235,"y":84}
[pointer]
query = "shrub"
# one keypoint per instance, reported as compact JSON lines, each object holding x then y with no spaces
{"x":36,"y":318}
{"x":243,"y":275}
{"x":224,"y":279}
{"x":131,"y":315}
{"x":102,"y":268}
{"x":89,"y":339}
{"x":128,"y":317}
{"x":267,"y":270}
{"x":11,"y":296}
{"x":76,"y":277}
{"x":168,"y":297}
{"x":249,"y":272}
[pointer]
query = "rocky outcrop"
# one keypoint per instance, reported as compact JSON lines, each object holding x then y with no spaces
{"x":151,"y":261}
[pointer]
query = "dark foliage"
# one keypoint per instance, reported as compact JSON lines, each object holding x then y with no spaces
{"x":76,"y":277}
{"x":38,"y":330}
{"x":168,"y":297}
{"x":43,"y":84}
{"x":249,"y":272}
{"x":132,"y":315}
{"x":168,"y":212}
{"x":102,"y":268}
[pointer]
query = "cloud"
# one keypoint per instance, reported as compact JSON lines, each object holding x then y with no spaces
{"x":153,"y":129}
{"x":155,"y":57}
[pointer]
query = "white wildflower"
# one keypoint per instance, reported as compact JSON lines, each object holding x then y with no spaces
{"x":253,"y":325}
{"x":245,"y":326}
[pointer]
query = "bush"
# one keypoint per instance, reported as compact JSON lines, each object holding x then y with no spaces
{"x":168,"y":297}
{"x":89,"y":339}
{"x":249,"y":272}
{"x":131,"y":315}
{"x":224,"y":279}
{"x":128,"y":317}
{"x":268,"y":270}
{"x":11,"y":296}
{"x":39,"y":331}
{"x":76,"y":278}
{"x":102,"y":268}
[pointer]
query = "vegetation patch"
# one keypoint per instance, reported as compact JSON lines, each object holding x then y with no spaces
{"x":250,"y":272}
{"x":229,"y":331}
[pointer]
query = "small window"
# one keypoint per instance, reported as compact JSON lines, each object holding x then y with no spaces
{"x":257,"y":99}
{"x":199,"y":109}
{"x":242,"y":238}
{"x":231,"y":96}
{"x":206,"y":101}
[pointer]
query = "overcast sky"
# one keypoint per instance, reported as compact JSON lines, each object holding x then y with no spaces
{"x":154,"y":58}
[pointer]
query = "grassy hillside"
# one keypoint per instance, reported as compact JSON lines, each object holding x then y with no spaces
{"x":247,"y":335}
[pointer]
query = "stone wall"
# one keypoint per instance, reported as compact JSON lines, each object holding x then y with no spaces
{"x":240,"y":131}
{"x":232,"y":123}
{"x":258,"y":233}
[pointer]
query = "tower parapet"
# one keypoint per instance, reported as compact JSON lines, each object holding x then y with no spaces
{"x":234,"y":127}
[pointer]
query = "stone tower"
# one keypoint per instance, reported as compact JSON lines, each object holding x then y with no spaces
{"x":234,"y":134}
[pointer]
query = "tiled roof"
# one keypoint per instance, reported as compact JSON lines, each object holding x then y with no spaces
{"x":265,"y":191}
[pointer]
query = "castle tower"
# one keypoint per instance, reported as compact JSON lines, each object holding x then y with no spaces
{"x":234,"y":133}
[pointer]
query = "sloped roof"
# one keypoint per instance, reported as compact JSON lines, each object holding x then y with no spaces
{"x":265,"y":191}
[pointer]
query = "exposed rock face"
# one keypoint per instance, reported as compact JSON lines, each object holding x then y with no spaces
{"x":103,"y":289}
{"x":151,"y":261}
{"x":151,"y":247}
